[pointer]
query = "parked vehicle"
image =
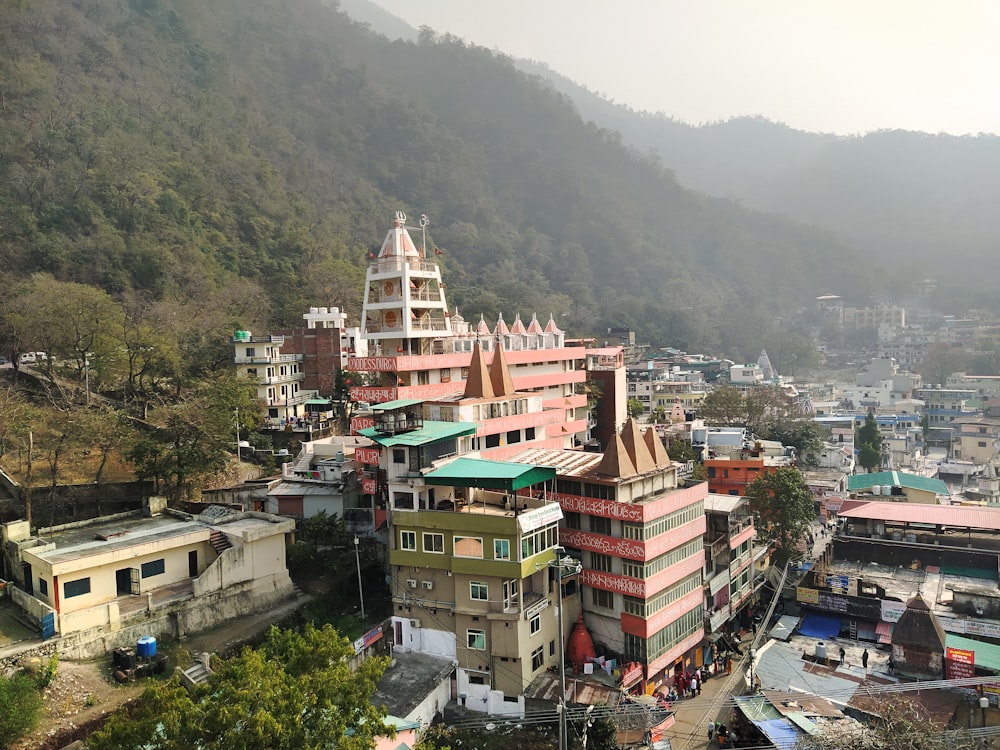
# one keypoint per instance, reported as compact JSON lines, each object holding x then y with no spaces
{"x":28,"y":358}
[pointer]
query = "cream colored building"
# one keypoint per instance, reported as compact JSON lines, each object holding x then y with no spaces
{"x":168,"y":574}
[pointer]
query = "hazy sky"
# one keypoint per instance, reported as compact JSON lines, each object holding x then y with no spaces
{"x":843,"y":66}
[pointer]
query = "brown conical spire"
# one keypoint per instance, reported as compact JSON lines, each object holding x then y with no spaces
{"x":616,"y":462}
{"x":636,"y":447}
{"x":478,"y":384}
{"x":503,"y":385}
{"x":656,"y":449}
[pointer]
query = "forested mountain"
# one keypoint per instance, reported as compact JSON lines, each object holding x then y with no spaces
{"x":916,"y":203}
{"x":240,"y":159}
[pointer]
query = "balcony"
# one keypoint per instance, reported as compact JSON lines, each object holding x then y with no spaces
{"x":715,"y":620}
{"x":263,"y":359}
{"x":275,"y":379}
{"x":527,"y":606}
{"x":395,"y":264}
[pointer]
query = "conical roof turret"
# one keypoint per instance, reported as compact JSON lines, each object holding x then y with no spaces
{"x":503,"y":385}
{"x":660,"y":456}
{"x":478,"y":384}
{"x":616,"y":462}
{"x":636,"y":448}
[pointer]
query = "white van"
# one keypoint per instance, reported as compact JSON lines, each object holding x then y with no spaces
{"x":28,"y":358}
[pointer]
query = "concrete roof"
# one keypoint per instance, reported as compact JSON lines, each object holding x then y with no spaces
{"x":408,"y":680}
{"x":723,"y":503}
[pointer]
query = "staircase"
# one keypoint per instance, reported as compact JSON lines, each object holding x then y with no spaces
{"x":197,"y":673}
{"x":219,"y":542}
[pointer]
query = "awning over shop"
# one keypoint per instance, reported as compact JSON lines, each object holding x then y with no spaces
{"x":781,"y":733}
{"x":785,"y":627}
{"x":987,"y":654}
{"x":824,"y":627}
{"x":489,"y":475}
{"x":401,"y":403}
{"x":884,"y":632}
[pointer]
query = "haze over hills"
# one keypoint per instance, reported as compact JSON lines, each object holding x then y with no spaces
{"x":256,"y":152}
{"x":918,"y":204}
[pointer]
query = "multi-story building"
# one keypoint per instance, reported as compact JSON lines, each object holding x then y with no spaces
{"x":873,"y":317}
{"x":279,"y":376}
{"x":471,"y":542}
{"x":944,"y":405}
{"x":418,"y":350}
{"x":325,"y":344}
{"x":731,"y":473}
{"x":729,"y":574}
{"x":639,"y":536}
{"x":976,"y":439}
{"x":986,"y":386}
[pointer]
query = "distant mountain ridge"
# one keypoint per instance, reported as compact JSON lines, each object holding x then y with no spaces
{"x":257,"y":151}
{"x":915,"y":203}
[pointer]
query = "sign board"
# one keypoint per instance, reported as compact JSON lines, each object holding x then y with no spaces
{"x":367,"y":455}
{"x":361,"y":423}
{"x":369,"y":486}
{"x":367,"y":639}
{"x":959,"y":663}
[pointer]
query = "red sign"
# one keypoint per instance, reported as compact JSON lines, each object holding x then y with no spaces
{"x":371,"y":364}
{"x":361,"y":423}
{"x":959,"y":663}
{"x":367,"y":455}
{"x":369,"y":486}
{"x":631,"y":674}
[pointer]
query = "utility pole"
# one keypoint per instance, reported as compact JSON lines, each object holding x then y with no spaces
{"x":561,"y":564}
{"x":357,"y":559}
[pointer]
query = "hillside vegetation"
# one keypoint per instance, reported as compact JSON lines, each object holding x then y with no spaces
{"x":233,"y":163}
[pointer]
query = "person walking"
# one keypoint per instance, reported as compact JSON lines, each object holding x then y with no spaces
{"x":864,"y":659}
{"x":711,"y":731}
{"x":843,"y":656}
{"x":695,"y":687}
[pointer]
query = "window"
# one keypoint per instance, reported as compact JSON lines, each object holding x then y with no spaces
{"x":434,"y":543}
{"x":600,"y":525}
{"x":479,"y":591}
{"x":537,"y":659}
{"x":469,"y":546}
{"x":492,"y":441}
{"x":535,"y":624}
{"x":599,"y":562}
{"x":552,"y":648}
{"x":603,"y":599}
{"x":408,"y":540}
{"x":79,"y":587}
{"x":529,"y":433}
{"x":251,"y":351}
{"x":476,"y":639}
{"x":43,"y":587}
{"x":399,"y":455}
{"x":982,"y":443}
{"x":153,"y":568}
{"x":514,"y":436}
{"x":501,"y":549}
{"x":572,"y":520}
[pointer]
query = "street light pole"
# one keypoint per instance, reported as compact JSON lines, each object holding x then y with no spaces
{"x":559,"y":564}
{"x":357,"y":559}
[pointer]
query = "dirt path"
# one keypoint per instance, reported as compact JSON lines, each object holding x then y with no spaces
{"x":80,"y":693}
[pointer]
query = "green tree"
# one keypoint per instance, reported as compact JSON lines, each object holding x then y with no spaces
{"x":802,"y":434}
{"x":659,"y":414}
{"x":723,"y":407}
{"x":296,"y":691}
{"x":635,"y":407}
{"x":782,"y":504}
{"x":868,"y":441}
{"x":20,"y":707}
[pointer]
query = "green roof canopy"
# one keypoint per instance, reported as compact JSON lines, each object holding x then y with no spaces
{"x":489,"y":475}
{"x":431,"y":432}
{"x":912,"y":481}
{"x":401,"y":403}
{"x":987,"y":654}
{"x":318,"y":401}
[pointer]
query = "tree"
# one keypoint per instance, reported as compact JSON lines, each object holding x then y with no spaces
{"x":635,"y":407}
{"x":659,"y":414}
{"x":868,"y":441}
{"x":782,"y":504}
{"x":20,"y":707}
{"x":296,"y":691}
{"x":802,"y":434}
{"x":901,"y":724}
{"x":723,"y":407}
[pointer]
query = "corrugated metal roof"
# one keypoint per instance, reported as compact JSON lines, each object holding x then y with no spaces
{"x":566,"y":463}
{"x":401,"y":403}
{"x":987,"y":654}
{"x":912,"y":481}
{"x":431,"y":432}
{"x":496,"y":475}
{"x":962,"y":516}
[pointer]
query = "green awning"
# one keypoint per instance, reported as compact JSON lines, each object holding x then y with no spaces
{"x":318,"y":402}
{"x":489,"y":475}
{"x":401,"y":403}
{"x":431,"y":432}
{"x":987,"y":654}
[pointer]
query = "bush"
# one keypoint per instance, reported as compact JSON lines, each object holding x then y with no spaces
{"x":48,"y":672}
{"x":20,"y":708}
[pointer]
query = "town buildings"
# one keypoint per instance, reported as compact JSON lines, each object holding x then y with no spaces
{"x":418,"y":350}
{"x":108,"y":581}
{"x":639,"y":536}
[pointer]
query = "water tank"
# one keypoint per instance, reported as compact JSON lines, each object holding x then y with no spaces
{"x":821,"y":650}
{"x":876,"y":489}
{"x":897,"y":536}
{"x":323,"y":311}
{"x":313,"y":310}
{"x":912,"y":538}
{"x":340,"y":456}
{"x":145,"y":647}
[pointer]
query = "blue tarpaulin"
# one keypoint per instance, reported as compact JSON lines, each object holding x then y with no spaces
{"x":824,"y":627}
{"x":780,"y":732}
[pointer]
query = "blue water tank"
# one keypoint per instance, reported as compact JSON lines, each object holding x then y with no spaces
{"x":145,"y":647}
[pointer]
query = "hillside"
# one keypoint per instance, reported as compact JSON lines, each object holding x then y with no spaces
{"x":249,"y":155}
{"x":919,"y":204}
